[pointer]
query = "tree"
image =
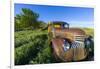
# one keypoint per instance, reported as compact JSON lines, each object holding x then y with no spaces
{"x":27,"y":18}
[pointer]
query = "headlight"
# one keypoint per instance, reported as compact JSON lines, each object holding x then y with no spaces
{"x":66,"y":45}
{"x":87,"y":42}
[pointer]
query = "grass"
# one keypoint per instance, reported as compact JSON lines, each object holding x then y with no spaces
{"x":89,"y":31}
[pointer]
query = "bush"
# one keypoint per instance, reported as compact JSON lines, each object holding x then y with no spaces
{"x":26,"y":52}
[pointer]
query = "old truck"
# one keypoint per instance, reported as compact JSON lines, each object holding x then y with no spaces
{"x":68,"y":44}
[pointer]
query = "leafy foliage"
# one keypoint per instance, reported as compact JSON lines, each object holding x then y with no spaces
{"x":33,"y":49}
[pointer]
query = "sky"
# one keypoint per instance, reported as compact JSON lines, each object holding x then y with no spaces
{"x":75,"y":16}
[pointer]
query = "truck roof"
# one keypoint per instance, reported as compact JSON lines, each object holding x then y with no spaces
{"x":59,"y":22}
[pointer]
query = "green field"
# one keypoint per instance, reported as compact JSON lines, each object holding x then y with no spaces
{"x":31,"y":47}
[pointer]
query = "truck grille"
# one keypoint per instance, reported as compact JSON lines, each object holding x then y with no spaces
{"x":79,"y":38}
{"x":77,"y":44}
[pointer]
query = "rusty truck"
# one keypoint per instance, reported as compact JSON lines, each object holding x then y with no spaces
{"x":68,"y":43}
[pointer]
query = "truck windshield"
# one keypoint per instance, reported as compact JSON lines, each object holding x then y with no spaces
{"x":65,"y":26}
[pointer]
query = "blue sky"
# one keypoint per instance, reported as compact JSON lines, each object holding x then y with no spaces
{"x":75,"y":16}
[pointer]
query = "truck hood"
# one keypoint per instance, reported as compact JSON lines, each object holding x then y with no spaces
{"x":75,"y":31}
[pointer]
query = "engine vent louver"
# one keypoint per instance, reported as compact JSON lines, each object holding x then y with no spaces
{"x":79,"y":38}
